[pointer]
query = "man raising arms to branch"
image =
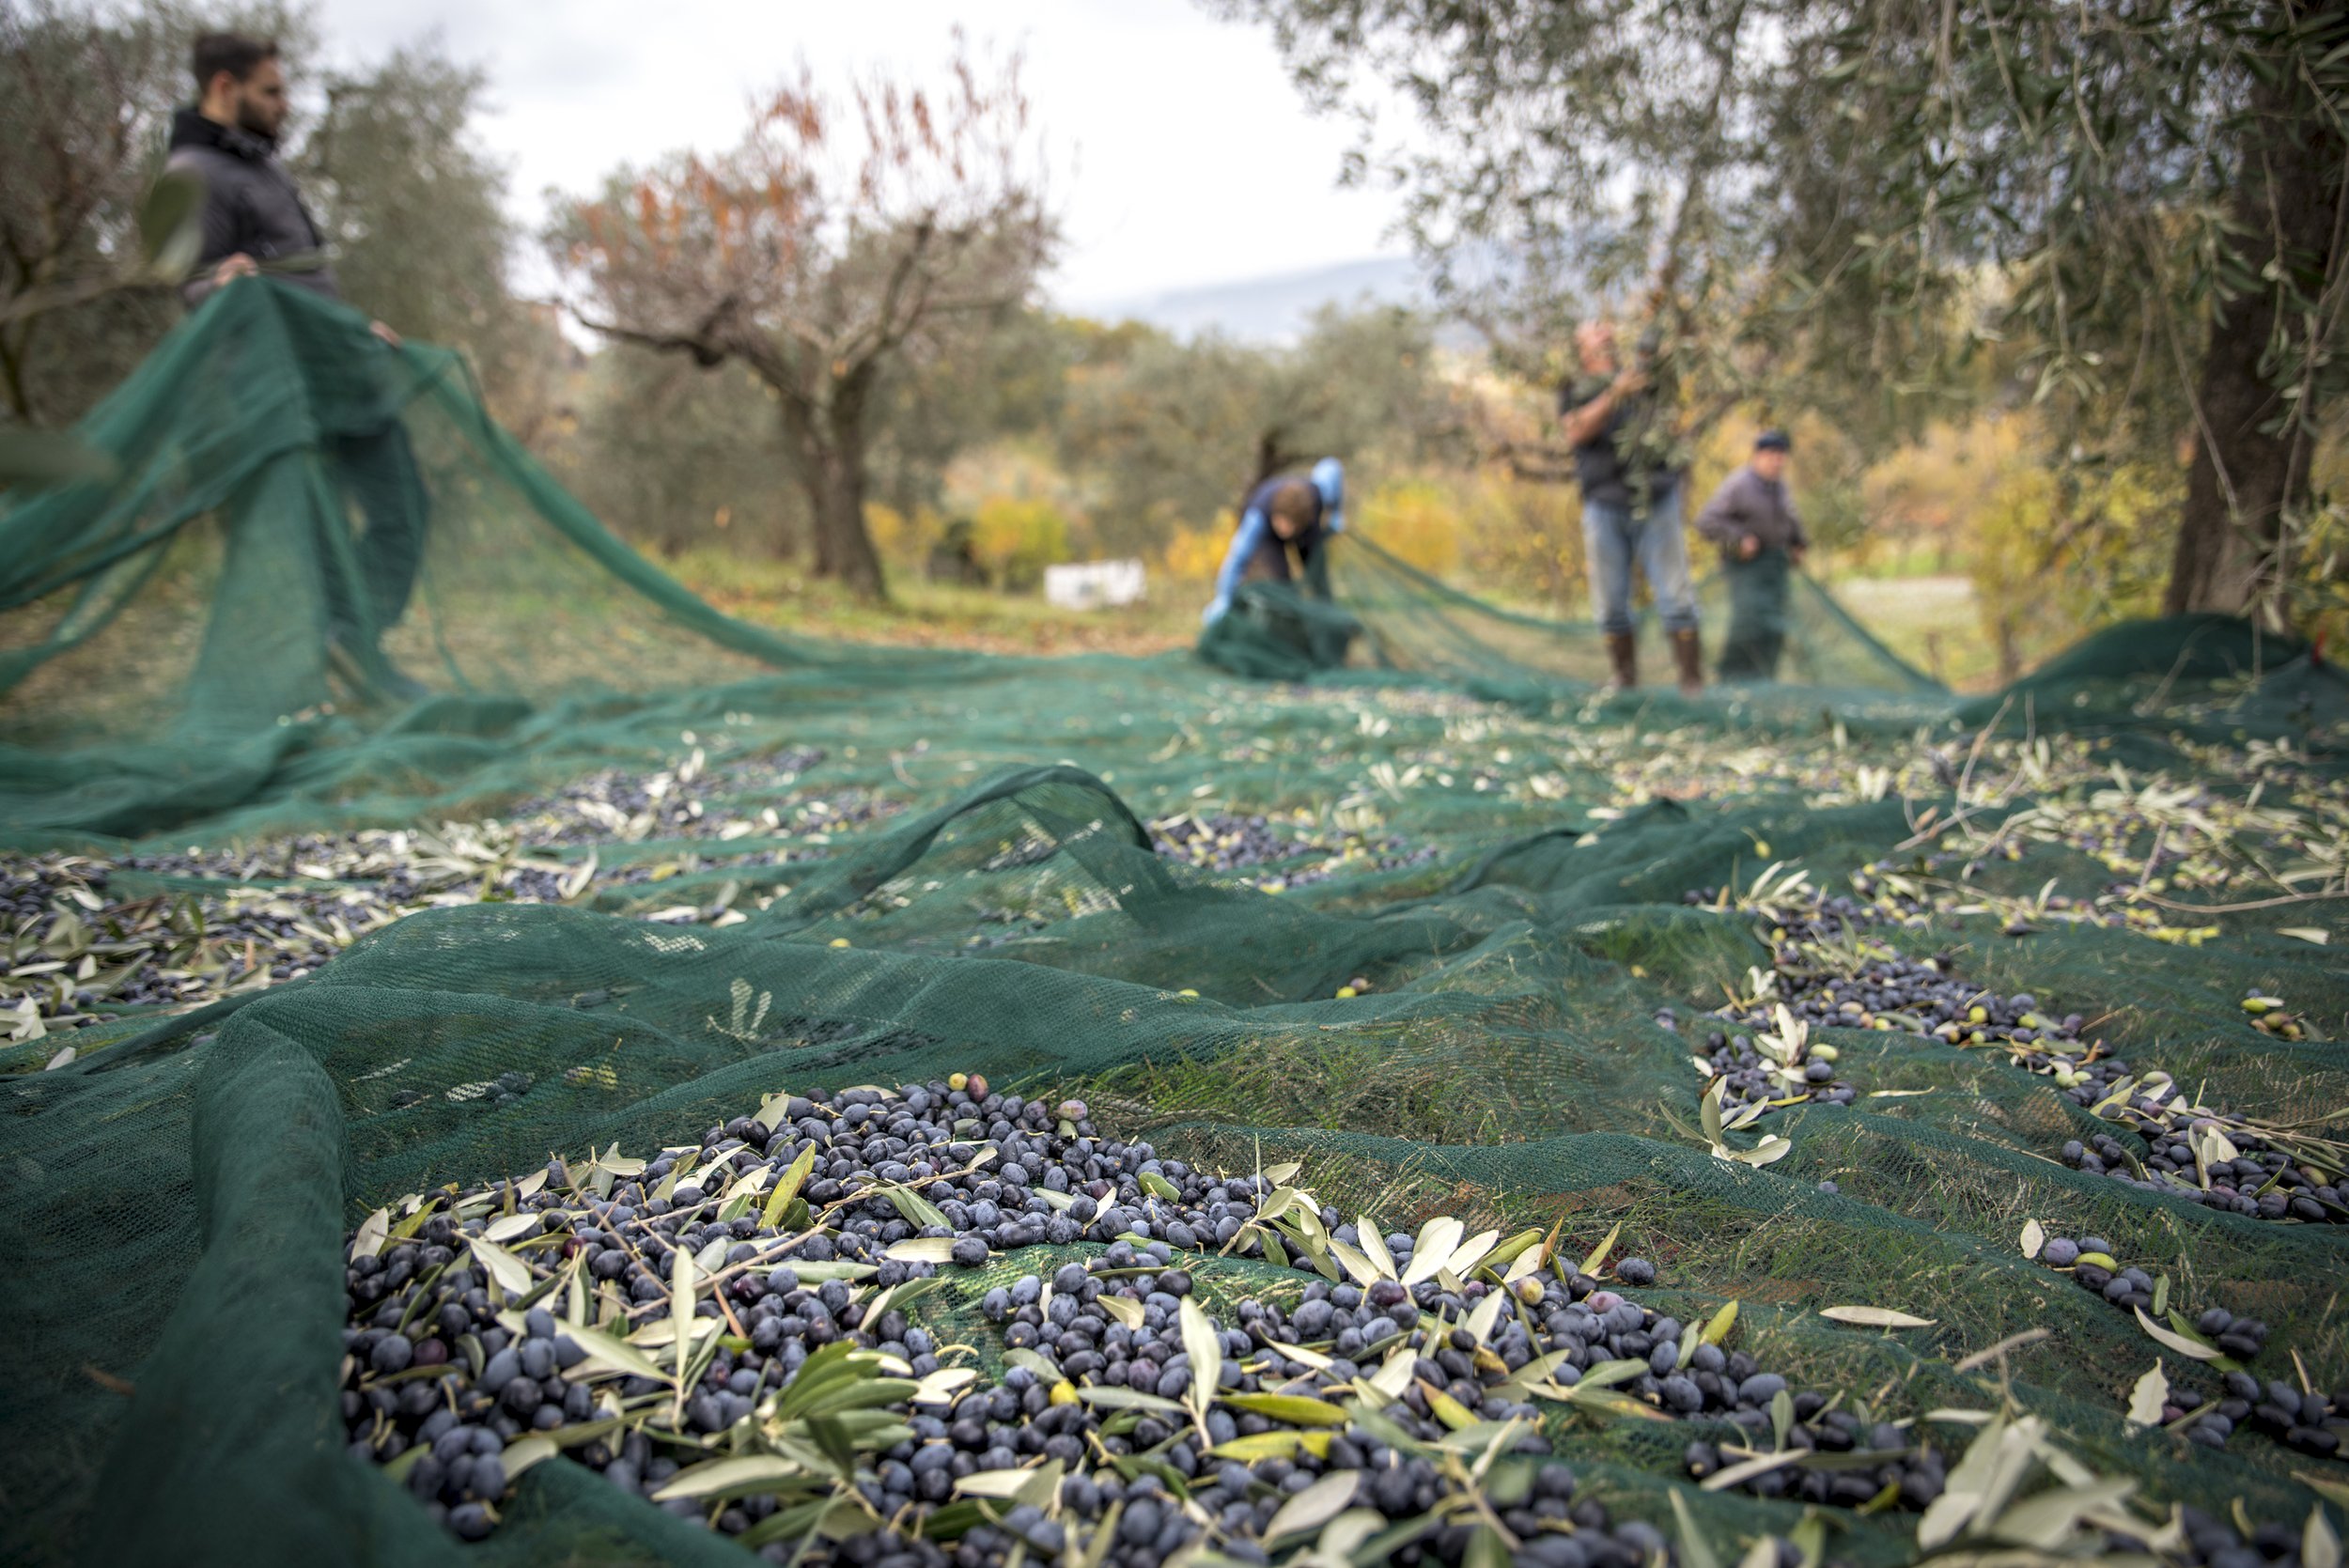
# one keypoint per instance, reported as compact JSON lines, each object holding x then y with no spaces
{"x":1630,"y":505}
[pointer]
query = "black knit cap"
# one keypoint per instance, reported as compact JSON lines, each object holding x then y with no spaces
{"x":1773,"y":441}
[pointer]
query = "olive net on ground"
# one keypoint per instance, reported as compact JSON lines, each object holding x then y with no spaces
{"x":1452,"y":953}
{"x":1389,"y":615}
{"x":321,"y":570}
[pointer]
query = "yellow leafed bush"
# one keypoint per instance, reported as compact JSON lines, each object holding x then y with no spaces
{"x":1417,"y":520}
{"x":1194,"y":555}
{"x":905,"y":541}
{"x":891,"y":530}
{"x":1014,"y":539}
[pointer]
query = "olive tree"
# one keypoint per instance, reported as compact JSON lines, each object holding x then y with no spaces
{"x":414,"y":211}
{"x":843,"y":241}
{"x":2135,"y":210}
{"x":385,"y":155}
{"x":1172,"y":430}
{"x":85,"y":96}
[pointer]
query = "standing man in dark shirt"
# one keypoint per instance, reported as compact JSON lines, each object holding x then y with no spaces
{"x":254,"y":214}
{"x":1753,"y":518}
{"x":1630,"y":505}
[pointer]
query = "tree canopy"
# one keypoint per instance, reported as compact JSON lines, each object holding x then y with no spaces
{"x":841,"y":241}
{"x":2135,"y":210}
{"x":385,"y":155}
{"x":85,"y":96}
{"x":1177,"y":430}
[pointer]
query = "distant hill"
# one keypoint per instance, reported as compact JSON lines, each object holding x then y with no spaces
{"x":1274,"y":309}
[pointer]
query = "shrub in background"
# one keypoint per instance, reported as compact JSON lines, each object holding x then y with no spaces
{"x":1014,"y":539}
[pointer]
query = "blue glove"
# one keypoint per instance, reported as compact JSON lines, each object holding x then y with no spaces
{"x":1215,"y":610}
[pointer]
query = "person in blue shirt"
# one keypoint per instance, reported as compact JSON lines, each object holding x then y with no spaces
{"x":1281,"y":515}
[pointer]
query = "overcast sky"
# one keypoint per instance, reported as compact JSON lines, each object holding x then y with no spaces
{"x":1183,"y":156}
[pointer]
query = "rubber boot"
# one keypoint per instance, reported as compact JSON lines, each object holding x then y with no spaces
{"x":1689,"y":656}
{"x":1623,"y":653}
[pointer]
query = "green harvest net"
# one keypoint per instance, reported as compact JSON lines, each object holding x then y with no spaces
{"x":1531,"y":895}
{"x":1389,"y":615}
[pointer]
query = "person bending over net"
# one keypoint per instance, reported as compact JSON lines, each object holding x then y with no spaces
{"x":1624,"y":461}
{"x":1283,"y":516}
{"x":1753,"y":518}
{"x":254,"y":218}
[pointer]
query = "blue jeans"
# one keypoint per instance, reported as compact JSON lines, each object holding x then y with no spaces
{"x":1612,"y":537}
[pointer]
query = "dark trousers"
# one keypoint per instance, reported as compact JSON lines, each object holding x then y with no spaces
{"x":1758,"y":592}
{"x":370,"y":580}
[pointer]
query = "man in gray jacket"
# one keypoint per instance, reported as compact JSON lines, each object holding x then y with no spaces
{"x":254,"y":216}
{"x":1753,"y":518}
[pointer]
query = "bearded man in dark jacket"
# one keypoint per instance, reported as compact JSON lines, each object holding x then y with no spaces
{"x":254,"y":215}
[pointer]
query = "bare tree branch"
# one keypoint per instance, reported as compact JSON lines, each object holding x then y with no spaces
{"x":823,"y":250}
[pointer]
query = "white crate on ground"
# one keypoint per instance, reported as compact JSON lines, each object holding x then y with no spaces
{"x":1094,"y":584}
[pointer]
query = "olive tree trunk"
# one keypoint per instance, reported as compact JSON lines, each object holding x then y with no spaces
{"x":830,"y":445}
{"x":2252,"y":447}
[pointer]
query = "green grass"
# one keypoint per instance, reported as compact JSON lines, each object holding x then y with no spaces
{"x":1891,"y":558}
{"x":778,"y":594}
{"x":1931,"y":622}
{"x":1928,"y":620}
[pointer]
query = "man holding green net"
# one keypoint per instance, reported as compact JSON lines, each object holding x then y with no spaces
{"x":1753,"y":518}
{"x":1286,"y":523}
{"x":254,"y":221}
{"x":1282,"y":515}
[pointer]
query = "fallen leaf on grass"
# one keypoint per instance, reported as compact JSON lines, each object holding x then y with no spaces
{"x":2146,"y":1400}
{"x":1874,"y":1317}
